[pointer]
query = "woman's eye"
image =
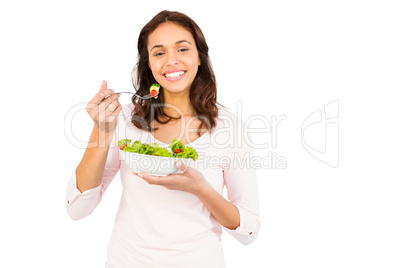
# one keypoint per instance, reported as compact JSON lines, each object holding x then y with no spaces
{"x":183,"y":49}
{"x":159,"y":54}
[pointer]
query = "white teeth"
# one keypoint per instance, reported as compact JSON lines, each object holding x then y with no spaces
{"x":176,"y":74}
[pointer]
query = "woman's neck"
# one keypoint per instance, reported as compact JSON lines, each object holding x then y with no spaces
{"x":178,"y":104}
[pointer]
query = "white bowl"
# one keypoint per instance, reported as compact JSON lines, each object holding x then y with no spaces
{"x":153,"y":165}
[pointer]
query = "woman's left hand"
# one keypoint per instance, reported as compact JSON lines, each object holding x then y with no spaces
{"x":191,"y":180}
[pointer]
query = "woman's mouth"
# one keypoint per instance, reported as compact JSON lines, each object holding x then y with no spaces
{"x":175,"y":75}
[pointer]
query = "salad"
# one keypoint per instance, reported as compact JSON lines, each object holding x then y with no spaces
{"x":175,"y":149}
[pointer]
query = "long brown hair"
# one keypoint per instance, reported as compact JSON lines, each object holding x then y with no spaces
{"x":203,"y":91}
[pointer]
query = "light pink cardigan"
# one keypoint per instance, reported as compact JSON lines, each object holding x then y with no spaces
{"x":158,"y":227}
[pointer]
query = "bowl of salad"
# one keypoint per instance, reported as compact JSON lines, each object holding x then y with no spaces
{"x":153,"y":159}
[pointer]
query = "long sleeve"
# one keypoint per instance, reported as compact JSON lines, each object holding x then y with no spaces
{"x":80,"y":205}
{"x":241,"y":183}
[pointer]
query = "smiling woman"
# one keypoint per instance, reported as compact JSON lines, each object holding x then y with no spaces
{"x":173,"y":51}
{"x":174,"y":220}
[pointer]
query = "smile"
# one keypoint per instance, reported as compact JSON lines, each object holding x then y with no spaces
{"x":174,"y":75}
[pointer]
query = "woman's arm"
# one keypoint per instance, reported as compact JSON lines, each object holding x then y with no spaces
{"x":99,"y":163}
{"x":104,"y":113}
{"x":82,"y":199}
{"x":224,"y":211}
{"x":90,"y":170}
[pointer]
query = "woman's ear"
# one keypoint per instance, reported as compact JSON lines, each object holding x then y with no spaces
{"x":199,"y":61}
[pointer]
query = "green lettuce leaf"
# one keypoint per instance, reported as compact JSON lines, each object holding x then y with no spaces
{"x":176,"y":144}
{"x":123,"y":141}
{"x":159,"y":151}
{"x":154,"y":149}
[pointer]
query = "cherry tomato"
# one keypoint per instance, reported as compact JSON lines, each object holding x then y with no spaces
{"x":154,"y":93}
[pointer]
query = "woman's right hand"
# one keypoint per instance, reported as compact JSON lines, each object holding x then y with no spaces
{"x":103,"y":111}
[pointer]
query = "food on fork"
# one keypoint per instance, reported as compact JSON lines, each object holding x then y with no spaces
{"x":154,"y":90}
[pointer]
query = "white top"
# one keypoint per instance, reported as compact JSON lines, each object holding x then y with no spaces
{"x":158,"y":227}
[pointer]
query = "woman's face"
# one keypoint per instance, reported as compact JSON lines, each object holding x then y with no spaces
{"x":173,"y":57}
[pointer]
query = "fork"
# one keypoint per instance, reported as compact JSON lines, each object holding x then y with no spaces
{"x":141,"y":97}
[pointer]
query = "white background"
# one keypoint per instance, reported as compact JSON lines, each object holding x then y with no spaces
{"x":276,"y":57}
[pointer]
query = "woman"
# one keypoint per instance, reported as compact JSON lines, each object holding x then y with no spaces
{"x":175,"y":220}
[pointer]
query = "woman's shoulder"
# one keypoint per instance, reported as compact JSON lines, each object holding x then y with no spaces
{"x":127,"y":109}
{"x":126,"y":113}
{"x":227,"y":117}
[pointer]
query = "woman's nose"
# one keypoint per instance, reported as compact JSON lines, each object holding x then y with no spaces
{"x":172,"y":59}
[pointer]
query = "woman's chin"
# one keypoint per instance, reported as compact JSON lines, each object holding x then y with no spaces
{"x":175,"y":91}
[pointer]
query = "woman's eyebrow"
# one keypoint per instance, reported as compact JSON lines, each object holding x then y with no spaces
{"x":181,"y":41}
{"x":178,"y":42}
